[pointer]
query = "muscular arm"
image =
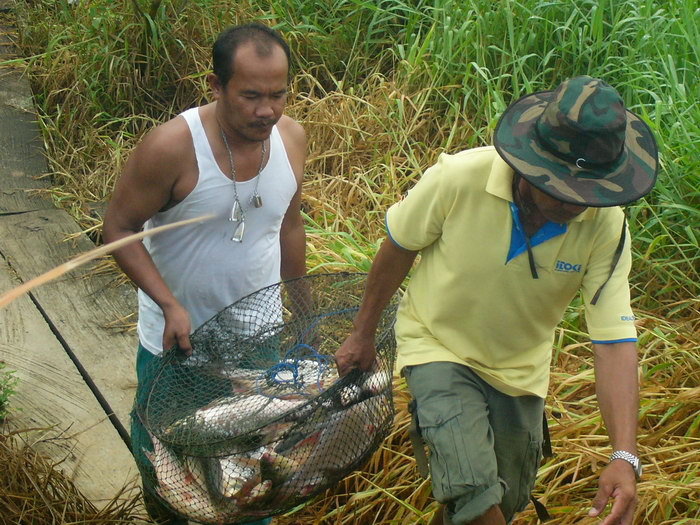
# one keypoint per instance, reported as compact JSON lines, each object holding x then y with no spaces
{"x":389,"y":269}
{"x":292,"y":234}
{"x":147,"y":184}
{"x":617,"y":390}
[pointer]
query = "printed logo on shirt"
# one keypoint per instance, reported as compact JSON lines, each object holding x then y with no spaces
{"x":563,"y":266}
{"x":627,"y":318}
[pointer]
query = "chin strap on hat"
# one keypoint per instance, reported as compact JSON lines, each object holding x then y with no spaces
{"x":520,"y":204}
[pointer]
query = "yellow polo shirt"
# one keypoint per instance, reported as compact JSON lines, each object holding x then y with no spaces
{"x":467,"y":303}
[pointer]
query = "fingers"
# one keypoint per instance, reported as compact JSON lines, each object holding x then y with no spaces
{"x":177,"y":329}
{"x":618,"y":484}
{"x":343,"y":368}
{"x":180,"y":339}
{"x":346,"y":363}
{"x":341,"y":363}
{"x":183,"y":343}
{"x":622,"y":512}
{"x":628,"y":517}
{"x":350,"y":356}
{"x":599,"y":502}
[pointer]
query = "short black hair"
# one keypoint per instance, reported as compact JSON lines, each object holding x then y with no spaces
{"x":224,"y":49}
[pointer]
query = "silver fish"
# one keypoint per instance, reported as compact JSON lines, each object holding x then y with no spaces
{"x":241,"y":374}
{"x":307,"y":372}
{"x":277,"y":467}
{"x":233,"y":416}
{"x":243,"y":381}
{"x":231,"y":474}
{"x":373,"y":384}
{"x":338,"y":443}
{"x":345,"y":437}
{"x":350,"y":394}
{"x":195,"y":468}
{"x":242,"y":410}
{"x":377,"y":382}
{"x":180,"y":488}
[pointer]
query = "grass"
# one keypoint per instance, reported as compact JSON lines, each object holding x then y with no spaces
{"x":8,"y":382}
{"x":33,"y":489}
{"x":382,"y":87}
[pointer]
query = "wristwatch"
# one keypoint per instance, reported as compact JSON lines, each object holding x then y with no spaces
{"x":629,"y":458}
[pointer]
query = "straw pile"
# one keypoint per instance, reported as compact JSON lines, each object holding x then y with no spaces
{"x":33,"y":491}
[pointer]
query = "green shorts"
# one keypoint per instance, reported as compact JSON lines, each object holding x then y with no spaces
{"x":485,"y":446}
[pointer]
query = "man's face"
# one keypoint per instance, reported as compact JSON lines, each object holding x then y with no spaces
{"x":554,"y":210}
{"x":255,"y":96}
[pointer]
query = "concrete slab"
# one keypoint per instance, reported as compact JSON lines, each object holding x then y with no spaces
{"x":78,"y":306}
{"x":51,"y":394}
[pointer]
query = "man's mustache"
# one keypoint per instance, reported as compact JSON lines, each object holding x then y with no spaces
{"x":263,"y":123}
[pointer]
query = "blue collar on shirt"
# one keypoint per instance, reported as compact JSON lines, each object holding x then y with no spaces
{"x":518,"y":244}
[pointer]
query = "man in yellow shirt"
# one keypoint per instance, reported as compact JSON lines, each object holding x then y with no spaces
{"x":508,"y":235}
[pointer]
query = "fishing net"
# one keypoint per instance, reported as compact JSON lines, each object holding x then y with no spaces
{"x":256,"y":420}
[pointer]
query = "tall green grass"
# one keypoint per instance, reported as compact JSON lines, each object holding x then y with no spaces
{"x":466,"y":61}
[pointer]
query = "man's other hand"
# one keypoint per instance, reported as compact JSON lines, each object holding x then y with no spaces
{"x":177,"y":329}
{"x":355,"y":352}
{"x":617,"y":481}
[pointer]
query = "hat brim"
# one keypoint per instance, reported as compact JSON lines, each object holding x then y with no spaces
{"x":631,"y":177}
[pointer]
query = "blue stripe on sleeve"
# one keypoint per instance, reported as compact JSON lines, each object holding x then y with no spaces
{"x":386,"y":224}
{"x":631,"y":340}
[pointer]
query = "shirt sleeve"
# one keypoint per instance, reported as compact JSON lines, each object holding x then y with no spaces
{"x":611,"y":319}
{"x":416,"y":221}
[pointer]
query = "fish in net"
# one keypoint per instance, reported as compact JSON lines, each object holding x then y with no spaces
{"x":257,"y":421}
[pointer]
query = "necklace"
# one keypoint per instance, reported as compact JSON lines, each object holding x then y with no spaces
{"x":237,"y":211}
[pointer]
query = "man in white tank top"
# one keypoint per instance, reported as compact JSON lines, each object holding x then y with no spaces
{"x":238,"y":158}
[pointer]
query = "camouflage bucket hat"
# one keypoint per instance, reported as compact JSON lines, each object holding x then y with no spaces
{"x":579,"y":144}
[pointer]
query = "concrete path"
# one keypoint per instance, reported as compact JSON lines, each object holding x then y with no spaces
{"x":76,"y":374}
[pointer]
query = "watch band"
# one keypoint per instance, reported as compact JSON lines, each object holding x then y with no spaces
{"x":629,"y":458}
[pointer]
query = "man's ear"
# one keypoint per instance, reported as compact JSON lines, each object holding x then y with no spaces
{"x":215,"y":85}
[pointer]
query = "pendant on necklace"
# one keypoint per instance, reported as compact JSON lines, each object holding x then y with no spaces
{"x":256,"y":200}
{"x":238,"y":233}
{"x":236,"y":212}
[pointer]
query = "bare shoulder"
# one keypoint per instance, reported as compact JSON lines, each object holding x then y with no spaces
{"x":292,"y":133}
{"x":159,"y":171}
{"x":294,"y":138}
{"x":163,"y":158}
{"x":166,"y":143}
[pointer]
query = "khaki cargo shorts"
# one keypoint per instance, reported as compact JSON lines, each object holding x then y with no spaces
{"x":485,"y":446}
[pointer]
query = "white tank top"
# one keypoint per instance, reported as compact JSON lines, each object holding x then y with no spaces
{"x":202,"y":266}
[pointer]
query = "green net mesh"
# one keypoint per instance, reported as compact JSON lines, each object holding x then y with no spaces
{"x":256,"y":420}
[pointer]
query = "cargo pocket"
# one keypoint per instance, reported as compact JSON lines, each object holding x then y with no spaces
{"x":449,"y":465}
{"x":528,"y":474}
